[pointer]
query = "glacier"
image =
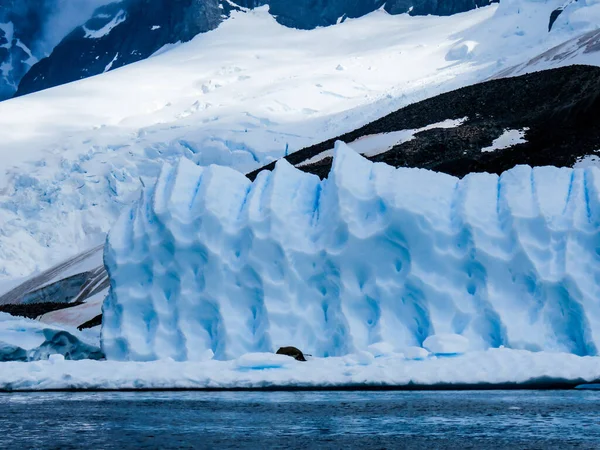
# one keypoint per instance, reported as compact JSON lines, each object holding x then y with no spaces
{"x":209,"y":264}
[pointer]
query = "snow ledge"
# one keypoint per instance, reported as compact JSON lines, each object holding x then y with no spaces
{"x":491,"y":369}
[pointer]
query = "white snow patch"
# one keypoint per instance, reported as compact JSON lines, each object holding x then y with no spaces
{"x":31,"y":60}
{"x":6,"y":68}
{"x":462,"y":51}
{"x":9,"y":30}
{"x":321,"y":156}
{"x":375,"y":144}
{"x":507,"y":140}
{"x":380,"y":143}
{"x":119,"y":18}
{"x":54,"y":359}
{"x":235,"y":5}
{"x":381,"y":349}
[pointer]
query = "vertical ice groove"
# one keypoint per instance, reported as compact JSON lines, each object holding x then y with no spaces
{"x":487,"y":322}
{"x":162,"y":190}
{"x":209,"y":262}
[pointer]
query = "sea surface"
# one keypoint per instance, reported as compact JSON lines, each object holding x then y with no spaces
{"x":263,"y":420}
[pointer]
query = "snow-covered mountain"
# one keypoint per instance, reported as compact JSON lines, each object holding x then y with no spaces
{"x":29,"y":30}
{"x":479,"y":128}
{"x":131,"y":30}
{"x":207,"y":261}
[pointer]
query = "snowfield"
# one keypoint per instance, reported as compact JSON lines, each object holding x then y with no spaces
{"x":239,"y":96}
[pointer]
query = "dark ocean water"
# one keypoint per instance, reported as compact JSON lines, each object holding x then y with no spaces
{"x":366,"y":420}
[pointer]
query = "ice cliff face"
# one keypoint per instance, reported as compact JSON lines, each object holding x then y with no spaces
{"x":209,"y":262}
{"x":28,"y":340}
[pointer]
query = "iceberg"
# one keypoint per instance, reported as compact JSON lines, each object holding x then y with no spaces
{"x":209,"y":263}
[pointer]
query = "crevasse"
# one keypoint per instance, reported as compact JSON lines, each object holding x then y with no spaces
{"x":207,"y":261}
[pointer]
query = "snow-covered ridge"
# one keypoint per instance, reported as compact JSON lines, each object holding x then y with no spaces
{"x":208,"y":262}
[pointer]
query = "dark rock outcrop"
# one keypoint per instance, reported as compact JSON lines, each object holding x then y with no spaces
{"x":558,"y":108}
{"x":293,"y":352}
{"x":29,"y":30}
